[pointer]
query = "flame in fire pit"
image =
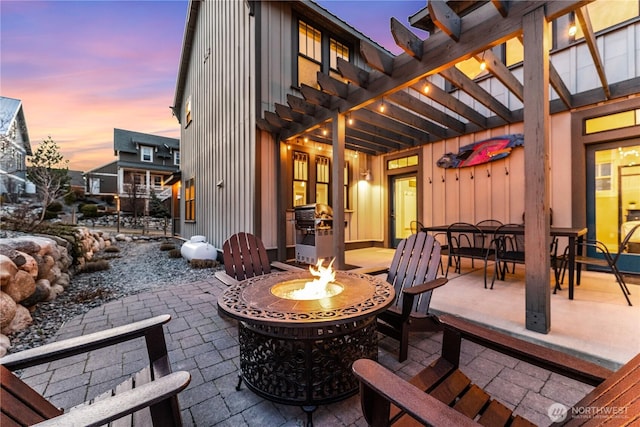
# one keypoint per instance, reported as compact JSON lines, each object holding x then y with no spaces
{"x":323,"y":286}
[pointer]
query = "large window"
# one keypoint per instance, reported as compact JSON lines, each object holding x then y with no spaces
{"x":318,"y":52}
{"x":323,"y":180}
{"x":309,"y":54}
{"x":190,"y":200}
{"x":300,"y":178}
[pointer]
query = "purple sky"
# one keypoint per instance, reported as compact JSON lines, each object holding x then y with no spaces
{"x":83,"y":68}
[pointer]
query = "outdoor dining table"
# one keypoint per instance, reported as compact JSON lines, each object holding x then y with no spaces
{"x":575,"y":236}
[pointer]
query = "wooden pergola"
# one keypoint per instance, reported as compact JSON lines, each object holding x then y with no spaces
{"x":458,"y":31}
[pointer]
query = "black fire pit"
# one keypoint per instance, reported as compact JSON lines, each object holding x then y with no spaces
{"x":300,"y":352}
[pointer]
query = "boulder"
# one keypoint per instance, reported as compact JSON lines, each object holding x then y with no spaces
{"x":8,"y":309}
{"x":30,"y":265}
{"x":22,"y":286}
{"x":7,"y":270}
{"x":14,"y":255}
{"x":25,"y":245}
{"x":20,"y":321}
{"x":55,"y":291}
{"x":41,"y":293}
{"x":45,"y":266}
{"x":5,"y":344}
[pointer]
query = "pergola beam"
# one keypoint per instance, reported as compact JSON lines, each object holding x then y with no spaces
{"x":501,"y":72}
{"x":405,"y":38}
{"x":585,"y":23}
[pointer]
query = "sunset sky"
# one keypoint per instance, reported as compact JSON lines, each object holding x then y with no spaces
{"x":83,"y":68}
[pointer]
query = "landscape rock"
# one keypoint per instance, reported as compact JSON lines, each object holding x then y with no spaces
{"x":22,"y":286}
{"x":15,"y":256}
{"x":7,"y":270}
{"x":4,"y":344}
{"x":29,"y":265}
{"x":8,"y":309}
{"x":21,"y":320}
{"x":41,"y":293}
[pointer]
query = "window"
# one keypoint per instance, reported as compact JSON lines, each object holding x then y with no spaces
{"x":311,"y":45}
{"x":157,"y":181}
{"x":176,"y":158}
{"x":187,"y":112}
{"x":604,"y":15}
{"x":346,"y":185}
{"x":336,"y":50}
{"x":146,"y":154}
{"x":612,"y":121}
{"x":322,"y":180}
{"x":309,"y":54}
{"x":190,"y":200}
{"x":402,"y":162}
{"x":300,"y":178}
{"x":603,"y":177}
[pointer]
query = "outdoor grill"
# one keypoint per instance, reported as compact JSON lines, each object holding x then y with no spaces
{"x":314,"y":233}
{"x":300,"y":351}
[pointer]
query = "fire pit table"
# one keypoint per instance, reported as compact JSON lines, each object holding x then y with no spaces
{"x":300,"y":351}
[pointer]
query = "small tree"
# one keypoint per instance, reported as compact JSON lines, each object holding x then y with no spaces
{"x":49,"y":172}
{"x":158,"y":209}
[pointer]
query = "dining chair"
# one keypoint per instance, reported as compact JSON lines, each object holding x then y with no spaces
{"x":603,"y":260}
{"x":466,"y":240}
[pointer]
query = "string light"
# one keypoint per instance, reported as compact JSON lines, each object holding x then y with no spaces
{"x":483,"y":63}
{"x":572,"y":25}
{"x":324,"y":132}
{"x":349,"y":120}
{"x":382,"y":106}
{"x":426,"y":87}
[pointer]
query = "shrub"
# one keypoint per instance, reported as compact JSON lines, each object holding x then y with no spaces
{"x":203,"y":263}
{"x":97,"y":265}
{"x":167,"y":246}
{"x":50,"y":214}
{"x":89,"y":211}
{"x":55,"y":207}
{"x":175,"y":253}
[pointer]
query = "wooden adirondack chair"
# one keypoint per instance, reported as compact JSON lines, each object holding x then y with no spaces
{"x":147,"y":399}
{"x":244,"y":256}
{"x":441,"y":395}
{"x":413,"y":275}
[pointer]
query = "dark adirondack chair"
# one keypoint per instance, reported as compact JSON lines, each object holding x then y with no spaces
{"x":413,"y":275}
{"x":149,"y":398}
{"x":244,"y":257}
{"x":442,"y":395}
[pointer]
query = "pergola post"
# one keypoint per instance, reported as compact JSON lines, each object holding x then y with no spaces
{"x":536,"y":170}
{"x":337,"y":191}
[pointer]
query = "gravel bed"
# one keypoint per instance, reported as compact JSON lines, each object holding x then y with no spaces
{"x":139,"y":266}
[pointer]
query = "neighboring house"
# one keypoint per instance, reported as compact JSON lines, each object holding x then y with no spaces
{"x":76,"y":182}
{"x":102,"y":181}
{"x":14,"y":146}
{"x":144,"y":162}
{"x":282,"y":103}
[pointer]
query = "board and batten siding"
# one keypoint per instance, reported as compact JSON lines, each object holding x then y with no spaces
{"x":219,"y":145}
